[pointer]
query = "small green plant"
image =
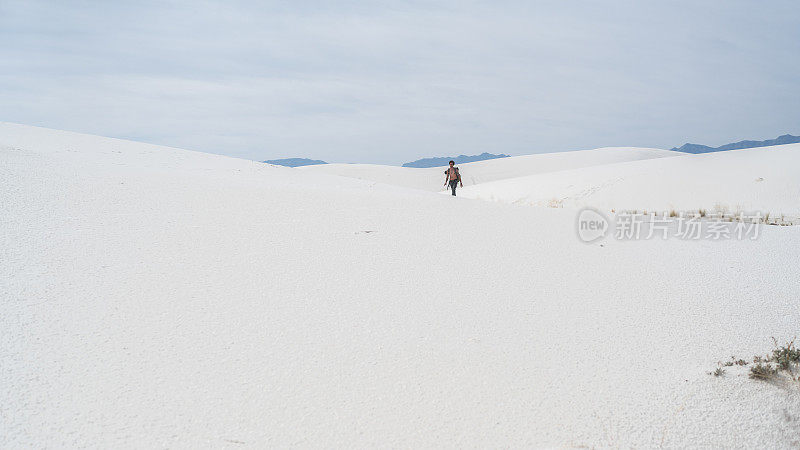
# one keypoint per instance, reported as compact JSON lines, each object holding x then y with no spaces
{"x":787,"y":356}
{"x":783,"y":362}
{"x":763,"y":372}
{"x":735,"y":362}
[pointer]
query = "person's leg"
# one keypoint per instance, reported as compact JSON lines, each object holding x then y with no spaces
{"x":453,"y":185}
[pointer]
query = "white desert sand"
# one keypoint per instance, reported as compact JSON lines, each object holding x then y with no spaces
{"x":156,"y":297}
{"x":765,"y":179}
{"x":432,"y":178}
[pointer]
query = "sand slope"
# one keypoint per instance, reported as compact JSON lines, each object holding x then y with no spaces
{"x":431,"y":179}
{"x":155,"y":297}
{"x":765,"y":179}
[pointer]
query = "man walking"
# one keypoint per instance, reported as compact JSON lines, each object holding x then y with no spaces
{"x":452,"y":176}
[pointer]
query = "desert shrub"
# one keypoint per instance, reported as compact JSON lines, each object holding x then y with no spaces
{"x":763,"y":371}
{"x":787,"y":356}
{"x":780,"y":364}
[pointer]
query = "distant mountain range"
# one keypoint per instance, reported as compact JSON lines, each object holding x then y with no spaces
{"x":697,"y":148}
{"x":294,"y":162}
{"x":444,"y":160}
{"x":460,"y":159}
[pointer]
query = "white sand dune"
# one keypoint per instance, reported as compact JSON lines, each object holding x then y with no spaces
{"x":156,"y":297}
{"x":764,"y":179}
{"x":431,"y":179}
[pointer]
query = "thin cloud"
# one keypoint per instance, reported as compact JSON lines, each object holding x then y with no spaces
{"x":389,"y":82}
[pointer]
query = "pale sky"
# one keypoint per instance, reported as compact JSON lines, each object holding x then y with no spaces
{"x":392,"y":81}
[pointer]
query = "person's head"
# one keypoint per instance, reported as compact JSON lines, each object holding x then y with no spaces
{"x":452,"y":163}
